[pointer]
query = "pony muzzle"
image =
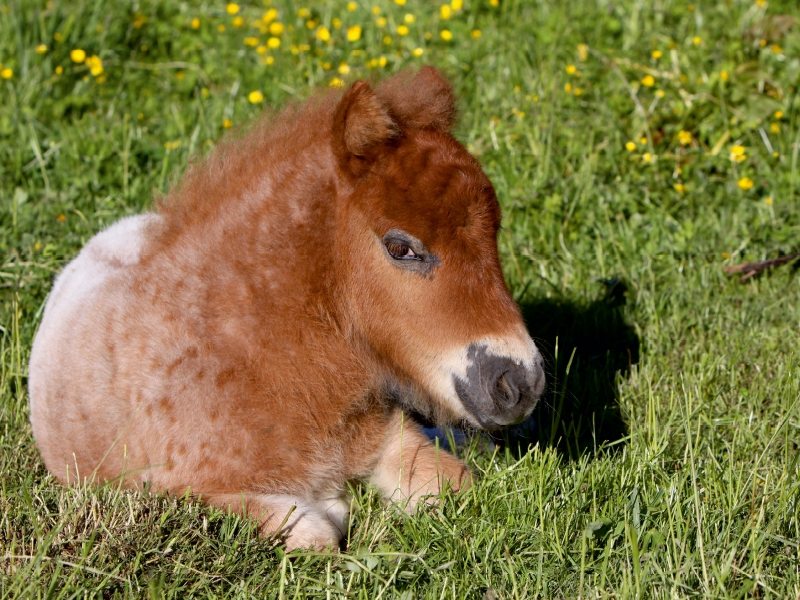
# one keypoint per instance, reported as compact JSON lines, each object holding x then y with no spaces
{"x":499,"y":390}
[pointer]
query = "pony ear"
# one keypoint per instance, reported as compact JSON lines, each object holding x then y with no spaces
{"x":361,"y":122}
{"x":422,"y":100}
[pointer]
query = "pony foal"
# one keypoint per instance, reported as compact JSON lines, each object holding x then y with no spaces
{"x":260,"y":338}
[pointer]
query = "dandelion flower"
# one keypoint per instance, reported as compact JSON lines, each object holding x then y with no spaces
{"x":656,"y":54}
{"x":745,"y":183}
{"x":445,"y":11}
{"x":475,"y":34}
{"x":630,"y":146}
{"x":251,"y":42}
{"x":647,"y":157}
{"x":6,"y":73}
{"x":768,"y":201}
{"x":680,"y":188}
{"x":456,"y":4}
{"x":336,"y":82}
{"x":78,"y":55}
{"x":778,"y":114}
{"x":276,"y":28}
{"x":238,"y":21}
{"x":409,"y":19}
{"x":269,"y":60}
{"x":400,"y":2}
{"x":382,"y":22}
{"x":723,"y":75}
{"x":568,"y":88}
{"x":774,"y":128}
{"x":446,"y":35}
{"x":642,"y":140}
{"x":61,"y":218}
{"x":255,"y":97}
{"x":95,"y":65}
{"x":583,"y":52}
{"x":738,"y":153}
{"x":351,"y":6}
{"x":417,"y":52}
{"x":494,"y":3}
{"x":227,"y":123}
{"x":697,"y":40}
{"x":323,"y":34}
{"x":684,"y":137}
{"x":59,"y":70}
{"x":336,"y":22}
{"x":344,"y":69}
{"x":570,"y":69}
{"x":232,"y":8}
{"x":648,"y":81}
{"x":376,"y":10}
{"x":402,"y":30}
{"x":195,"y":23}
{"x":273,"y":43}
{"x":353,"y":33}
{"x":41,"y":49}
{"x":660,"y":93}
{"x":776,"y":48}
{"x":221,"y":28}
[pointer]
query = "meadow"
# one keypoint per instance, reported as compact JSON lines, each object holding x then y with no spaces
{"x":637,"y":147}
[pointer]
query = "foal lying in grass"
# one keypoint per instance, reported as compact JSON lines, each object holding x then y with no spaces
{"x":258,"y":339}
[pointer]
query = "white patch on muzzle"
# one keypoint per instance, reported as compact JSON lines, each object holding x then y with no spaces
{"x":518,"y":347}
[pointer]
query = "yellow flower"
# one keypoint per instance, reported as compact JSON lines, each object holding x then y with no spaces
{"x":195,"y":23}
{"x":446,"y":34}
{"x":737,"y":151}
{"x":400,"y":2}
{"x":59,"y":70}
{"x":761,"y":3}
{"x":95,"y":65}
{"x":647,"y":157}
{"x":387,"y":40}
{"x":570,"y":69}
{"x":776,"y":49}
{"x":656,"y":54}
{"x":456,"y":4}
{"x":684,"y":137}
{"x":251,"y":42}
{"x":303,"y":13}
{"x":276,"y":28}
{"x":723,"y":75}
{"x":138,"y":20}
{"x":336,"y":82}
{"x":778,"y":114}
{"x":660,"y":93}
{"x":255,"y":97}
{"x":238,"y":21}
{"x":376,"y":10}
{"x":78,"y":55}
{"x":745,"y":183}
{"x":630,"y":146}
{"x":417,"y":52}
{"x":583,"y":52}
{"x":568,"y":88}
{"x":774,"y":128}
{"x":172,"y":145}
{"x":726,"y":255}
{"x":768,"y":201}
{"x":205,"y":92}
{"x":61,"y":218}
{"x":41,"y":49}
{"x":270,"y":16}
{"x":232,"y":8}
{"x":402,"y":30}
{"x":475,"y":34}
{"x":381,"y":22}
{"x":336,"y":22}
{"x":274,"y":42}
{"x":642,"y":140}
{"x":269,"y":60}
{"x":680,"y":188}
{"x":220,"y":27}
{"x":648,"y":80}
{"x":351,"y":6}
{"x":697,"y":40}
{"x":344,"y":69}
{"x":6,"y":73}
{"x":494,"y":3}
{"x":762,"y":42}
{"x":382,"y":61}
{"x":578,"y":91}
{"x":323,"y":34}
{"x":353,"y":33}
{"x":445,"y":11}
{"x":409,"y":19}
{"x":227,"y":123}
{"x":57,"y":36}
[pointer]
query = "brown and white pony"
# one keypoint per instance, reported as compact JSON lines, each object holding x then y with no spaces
{"x":260,"y":338}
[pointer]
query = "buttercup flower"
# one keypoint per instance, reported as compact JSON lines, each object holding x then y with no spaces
{"x":78,"y":55}
{"x":344,"y":69}
{"x":409,"y":18}
{"x":336,"y":82}
{"x":255,"y":97}
{"x":402,"y":30}
{"x":417,"y":52}
{"x":630,"y":146}
{"x":323,"y":34}
{"x":227,"y":123}
{"x":276,"y":28}
{"x":195,"y":23}
{"x":446,"y":34}
{"x":648,"y":81}
{"x":6,"y":73}
{"x":684,"y":137}
{"x":745,"y":183}
{"x":570,"y":69}
{"x":445,"y":11}
{"x":232,"y":8}
{"x":95,"y":65}
{"x":274,"y":42}
{"x":475,"y":34}
{"x":41,"y":49}
{"x":656,"y":54}
{"x":354,"y":33}
{"x":738,"y":153}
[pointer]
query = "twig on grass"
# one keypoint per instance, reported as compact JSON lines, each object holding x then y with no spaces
{"x":750,"y":269}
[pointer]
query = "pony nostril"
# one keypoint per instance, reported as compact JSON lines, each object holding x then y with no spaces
{"x":505,"y":391}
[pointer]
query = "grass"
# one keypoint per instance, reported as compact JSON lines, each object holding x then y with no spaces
{"x":664,"y":460}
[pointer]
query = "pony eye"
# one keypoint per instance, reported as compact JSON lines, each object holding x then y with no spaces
{"x":401,"y":251}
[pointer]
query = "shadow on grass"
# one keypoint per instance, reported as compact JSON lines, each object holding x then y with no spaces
{"x":585,"y":347}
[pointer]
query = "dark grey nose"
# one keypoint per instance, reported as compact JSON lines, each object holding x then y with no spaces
{"x":498,"y":390}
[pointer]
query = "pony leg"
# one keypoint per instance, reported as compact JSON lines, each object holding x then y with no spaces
{"x":411,"y":467}
{"x":312,"y":525}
